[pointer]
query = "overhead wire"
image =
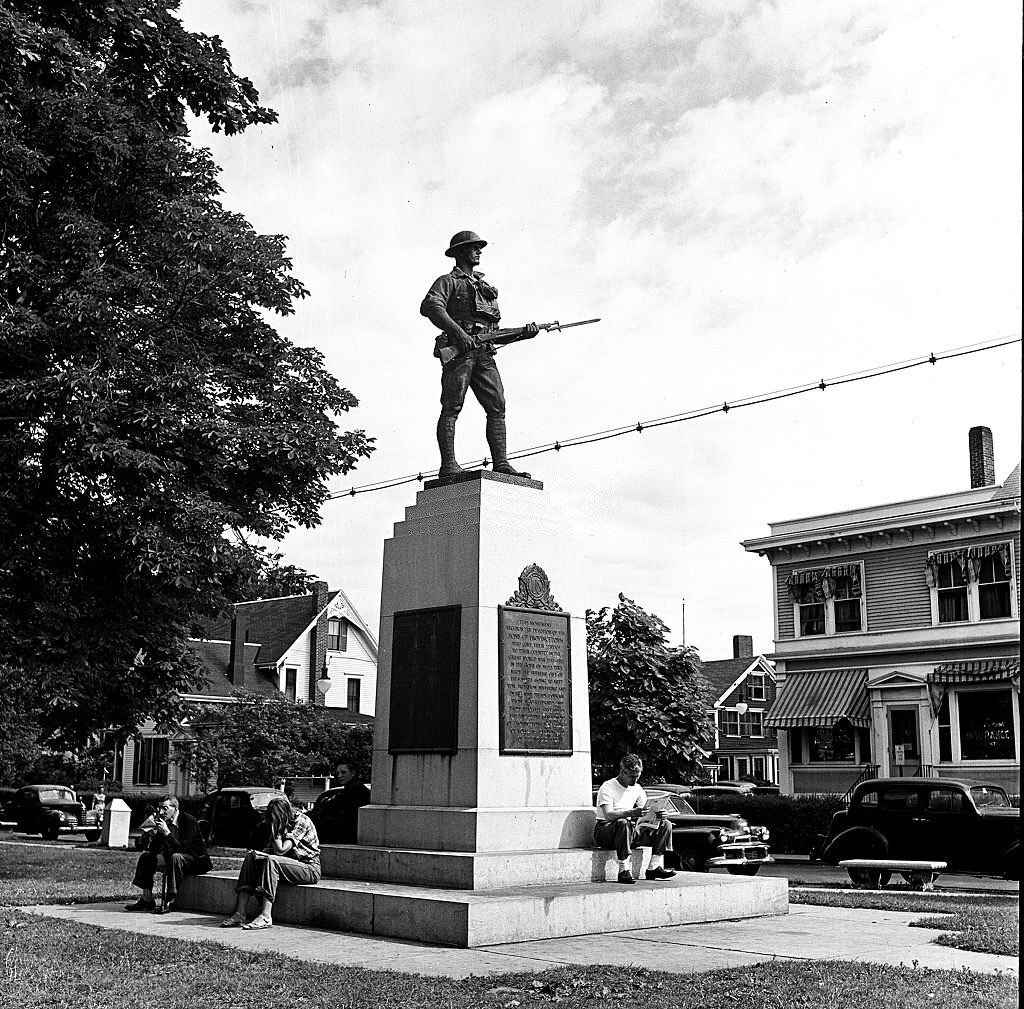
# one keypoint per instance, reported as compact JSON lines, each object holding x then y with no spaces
{"x":638,"y":427}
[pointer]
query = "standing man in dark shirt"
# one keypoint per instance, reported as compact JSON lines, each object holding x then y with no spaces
{"x":464,"y":307}
{"x":344,"y":810}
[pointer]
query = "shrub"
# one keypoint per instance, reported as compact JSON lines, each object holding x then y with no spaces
{"x":795,"y":821}
{"x":138,"y":802}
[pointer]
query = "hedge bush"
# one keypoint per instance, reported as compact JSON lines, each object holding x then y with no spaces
{"x":138,"y":802}
{"x":795,"y":821}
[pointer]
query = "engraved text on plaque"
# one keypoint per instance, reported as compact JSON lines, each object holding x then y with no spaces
{"x":535,"y":695}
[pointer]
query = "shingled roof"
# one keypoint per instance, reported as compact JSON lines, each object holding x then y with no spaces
{"x":723,"y":673}
{"x":215,"y":657}
{"x":273,"y":624}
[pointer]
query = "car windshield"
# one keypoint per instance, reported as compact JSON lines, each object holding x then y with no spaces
{"x":262,"y":799}
{"x":985,"y":796}
{"x":677,"y":803}
{"x":56,"y":795}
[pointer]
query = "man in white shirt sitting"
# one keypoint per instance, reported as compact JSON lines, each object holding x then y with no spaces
{"x":620,"y":803}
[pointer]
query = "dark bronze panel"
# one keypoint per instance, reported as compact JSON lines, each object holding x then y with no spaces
{"x":534,"y":690}
{"x":425,"y":654}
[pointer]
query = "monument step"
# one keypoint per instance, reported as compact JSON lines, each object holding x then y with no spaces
{"x":468,"y":918}
{"x":460,"y":870}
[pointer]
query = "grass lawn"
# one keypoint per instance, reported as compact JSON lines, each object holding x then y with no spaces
{"x":58,"y":873}
{"x":984,"y":925}
{"x":52,"y":964}
{"x":49,"y":964}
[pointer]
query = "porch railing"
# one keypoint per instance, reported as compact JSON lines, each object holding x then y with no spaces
{"x":869,"y":771}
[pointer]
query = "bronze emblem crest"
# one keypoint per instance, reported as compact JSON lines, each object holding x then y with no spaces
{"x":534,"y":590}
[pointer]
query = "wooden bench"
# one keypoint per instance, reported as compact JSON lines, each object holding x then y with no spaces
{"x":875,"y":873}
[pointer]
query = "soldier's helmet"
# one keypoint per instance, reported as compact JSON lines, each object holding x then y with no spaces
{"x":464,"y":238}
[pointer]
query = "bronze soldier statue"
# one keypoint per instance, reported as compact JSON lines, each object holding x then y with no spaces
{"x":464,"y":307}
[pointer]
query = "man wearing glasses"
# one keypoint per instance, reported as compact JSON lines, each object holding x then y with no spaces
{"x":175,"y":845}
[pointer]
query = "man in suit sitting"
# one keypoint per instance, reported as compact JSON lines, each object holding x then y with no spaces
{"x":175,"y":844}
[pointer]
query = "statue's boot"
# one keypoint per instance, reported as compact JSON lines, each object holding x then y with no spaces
{"x":446,"y":443}
{"x":499,"y":453}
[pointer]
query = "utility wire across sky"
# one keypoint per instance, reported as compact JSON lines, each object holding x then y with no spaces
{"x":638,"y":427}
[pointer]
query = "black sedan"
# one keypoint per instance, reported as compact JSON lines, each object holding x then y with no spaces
{"x":52,"y":810}
{"x":335,"y":814}
{"x":230,"y":814}
{"x":969,"y":825}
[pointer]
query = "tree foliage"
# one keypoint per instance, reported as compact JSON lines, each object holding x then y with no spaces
{"x":259,"y":740}
{"x":147,"y":405}
{"x":645,"y":697}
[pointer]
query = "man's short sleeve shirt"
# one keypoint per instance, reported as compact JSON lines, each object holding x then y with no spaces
{"x":618,"y":796}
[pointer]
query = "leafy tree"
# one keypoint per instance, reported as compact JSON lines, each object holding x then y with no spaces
{"x":151,"y":418}
{"x":259,"y":740}
{"x":645,"y":696}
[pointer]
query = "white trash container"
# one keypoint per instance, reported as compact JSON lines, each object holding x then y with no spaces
{"x":116,"y":821}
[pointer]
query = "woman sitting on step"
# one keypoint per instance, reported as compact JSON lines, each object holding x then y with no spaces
{"x":292,"y":855}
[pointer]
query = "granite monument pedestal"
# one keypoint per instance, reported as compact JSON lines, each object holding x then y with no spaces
{"x":480,"y":827}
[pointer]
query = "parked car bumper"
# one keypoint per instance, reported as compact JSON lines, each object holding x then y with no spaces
{"x":69,"y":825}
{"x":740,"y":854}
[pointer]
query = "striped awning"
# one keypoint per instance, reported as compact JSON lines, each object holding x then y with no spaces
{"x":822,"y":698}
{"x":978,"y":671}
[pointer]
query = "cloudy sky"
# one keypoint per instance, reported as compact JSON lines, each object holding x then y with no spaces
{"x":750,"y":195}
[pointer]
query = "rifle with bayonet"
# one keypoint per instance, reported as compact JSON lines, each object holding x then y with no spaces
{"x":503,"y":337}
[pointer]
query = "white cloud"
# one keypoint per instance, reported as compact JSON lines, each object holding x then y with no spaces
{"x":751,"y":195}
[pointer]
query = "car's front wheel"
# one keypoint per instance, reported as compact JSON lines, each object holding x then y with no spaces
{"x":50,"y":832}
{"x":743,"y":870}
{"x":92,"y":835}
{"x":690,"y":860}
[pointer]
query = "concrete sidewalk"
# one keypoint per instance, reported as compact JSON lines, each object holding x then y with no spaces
{"x":806,"y":933}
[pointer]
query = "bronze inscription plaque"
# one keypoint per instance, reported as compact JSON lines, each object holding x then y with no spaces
{"x":425,"y":658}
{"x":534,"y":695}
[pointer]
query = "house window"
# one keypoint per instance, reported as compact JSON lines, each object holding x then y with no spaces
{"x":354,"y":688}
{"x":730,"y":722}
{"x":827,"y":600}
{"x":151,"y":761}
{"x":840,"y":743}
{"x":796,"y":746}
{"x":753,"y":723}
{"x":831,"y":744}
{"x":337,"y":635}
{"x":993,"y":588}
{"x":755,"y":686}
{"x":810,"y":607}
{"x":846,"y":605}
{"x":291,"y":675}
{"x":986,"y":724}
{"x":952,"y":593}
{"x":945,"y":732}
{"x":972,"y":583}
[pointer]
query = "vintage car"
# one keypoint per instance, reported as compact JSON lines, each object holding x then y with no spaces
{"x":229,"y":814}
{"x":970,"y":825}
{"x":335,"y":816}
{"x":757,"y":786}
{"x":702,"y":842}
{"x":52,"y":810}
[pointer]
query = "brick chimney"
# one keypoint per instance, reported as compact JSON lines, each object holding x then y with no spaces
{"x":236,"y":659}
{"x":983,"y":460}
{"x":318,"y":640}
{"x":742,"y":646}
